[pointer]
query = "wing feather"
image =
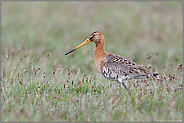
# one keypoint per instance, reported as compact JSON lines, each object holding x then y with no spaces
{"x":124,"y":67}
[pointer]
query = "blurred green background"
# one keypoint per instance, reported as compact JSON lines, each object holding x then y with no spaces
{"x":36,"y":35}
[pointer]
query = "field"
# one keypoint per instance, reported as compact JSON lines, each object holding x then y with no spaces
{"x":40,"y":83}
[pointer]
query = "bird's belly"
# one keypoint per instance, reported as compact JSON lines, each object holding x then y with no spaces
{"x":115,"y":76}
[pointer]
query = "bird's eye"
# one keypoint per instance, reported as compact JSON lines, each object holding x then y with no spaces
{"x":93,"y":35}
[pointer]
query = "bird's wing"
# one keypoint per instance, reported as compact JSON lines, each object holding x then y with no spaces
{"x":119,"y":65}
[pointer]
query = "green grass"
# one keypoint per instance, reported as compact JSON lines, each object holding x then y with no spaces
{"x":40,"y":83}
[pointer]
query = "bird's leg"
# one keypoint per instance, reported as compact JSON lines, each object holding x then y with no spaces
{"x":119,"y":88}
{"x":126,"y":88}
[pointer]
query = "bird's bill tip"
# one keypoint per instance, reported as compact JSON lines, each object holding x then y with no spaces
{"x":84,"y":43}
{"x":69,"y":52}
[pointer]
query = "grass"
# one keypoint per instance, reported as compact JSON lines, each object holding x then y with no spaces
{"x":39,"y":83}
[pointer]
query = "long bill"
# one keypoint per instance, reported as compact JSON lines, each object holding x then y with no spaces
{"x":84,"y":43}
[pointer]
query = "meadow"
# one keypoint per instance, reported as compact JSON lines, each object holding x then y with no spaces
{"x":40,"y":83}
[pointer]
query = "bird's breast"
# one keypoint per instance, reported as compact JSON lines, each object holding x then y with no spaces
{"x":98,"y":57}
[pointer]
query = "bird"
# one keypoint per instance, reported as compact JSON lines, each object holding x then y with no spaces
{"x":114,"y":67}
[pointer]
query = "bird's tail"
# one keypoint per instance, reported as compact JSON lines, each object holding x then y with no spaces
{"x":153,"y":75}
{"x":156,"y":75}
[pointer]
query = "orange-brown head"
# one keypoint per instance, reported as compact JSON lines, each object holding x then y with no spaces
{"x":96,"y":37}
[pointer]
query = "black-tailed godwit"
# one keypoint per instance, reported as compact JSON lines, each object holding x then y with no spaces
{"x":112,"y":66}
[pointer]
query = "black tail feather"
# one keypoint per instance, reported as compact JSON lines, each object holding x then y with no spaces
{"x":156,"y":75}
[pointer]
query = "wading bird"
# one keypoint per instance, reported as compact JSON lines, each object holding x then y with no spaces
{"x":112,"y":66}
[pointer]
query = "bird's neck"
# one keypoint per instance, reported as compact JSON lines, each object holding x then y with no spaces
{"x":99,"y":53}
